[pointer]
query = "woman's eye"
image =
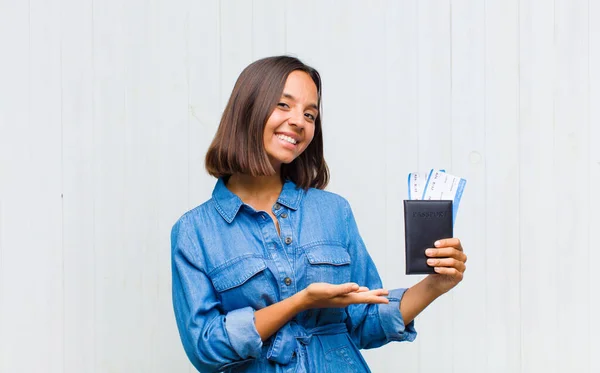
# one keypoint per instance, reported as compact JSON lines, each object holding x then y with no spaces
{"x":283,"y":105}
{"x":310,"y":116}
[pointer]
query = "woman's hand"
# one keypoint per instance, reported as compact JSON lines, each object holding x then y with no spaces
{"x":324,"y":295}
{"x":448,"y":260}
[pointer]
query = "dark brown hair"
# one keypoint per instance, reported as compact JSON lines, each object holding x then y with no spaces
{"x":238,"y":144}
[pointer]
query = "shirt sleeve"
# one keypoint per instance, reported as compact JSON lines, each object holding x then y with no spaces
{"x":213,"y":339}
{"x":372,"y":325}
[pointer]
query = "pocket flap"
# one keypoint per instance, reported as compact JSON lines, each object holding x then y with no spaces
{"x":328,"y":254}
{"x":236,"y":273}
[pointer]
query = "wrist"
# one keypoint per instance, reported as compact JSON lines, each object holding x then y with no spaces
{"x":433,"y":286}
{"x":299,"y":301}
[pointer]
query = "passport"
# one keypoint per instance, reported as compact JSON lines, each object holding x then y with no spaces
{"x":425,"y":221}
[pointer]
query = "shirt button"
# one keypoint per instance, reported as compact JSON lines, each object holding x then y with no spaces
{"x":284,"y":215}
{"x":287,"y":281}
{"x":288,"y":240}
{"x":277,"y":206}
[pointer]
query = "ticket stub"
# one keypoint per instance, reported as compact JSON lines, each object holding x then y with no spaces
{"x":416,"y":184}
{"x":443,"y":186}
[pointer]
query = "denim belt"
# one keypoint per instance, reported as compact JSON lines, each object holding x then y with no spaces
{"x":282,"y":350}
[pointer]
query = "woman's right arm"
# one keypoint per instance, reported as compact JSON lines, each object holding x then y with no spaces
{"x":213,"y":340}
{"x":318,"y":295}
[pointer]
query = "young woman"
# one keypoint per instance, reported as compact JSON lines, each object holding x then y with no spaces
{"x":271,"y":274}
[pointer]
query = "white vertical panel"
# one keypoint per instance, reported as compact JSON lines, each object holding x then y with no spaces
{"x":14,"y":39}
{"x":399,"y":109}
{"x":170,"y":176}
{"x":114,"y":284}
{"x":268,"y":28}
{"x":142,"y":65}
{"x":205,"y":106}
{"x":469,"y":156}
{"x":502,"y":270}
{"x":359,"y":121}
{"x":78,"y":186}
{"x":594,"y":181}
{"x":32,"y":283}
{"x":308,"y":43}
{"x":571,"y":177}
{"x":16,"y":242}
{"x":436,"y":323}
{"x":540,"y":321}
{"x":434,"y":84}
{"x":236,"y":42}
{"x":45,"y":297}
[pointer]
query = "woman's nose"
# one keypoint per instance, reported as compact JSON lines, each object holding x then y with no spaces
{"x":297,"y":118}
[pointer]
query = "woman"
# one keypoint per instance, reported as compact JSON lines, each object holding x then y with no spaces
{"x":271,"y":274}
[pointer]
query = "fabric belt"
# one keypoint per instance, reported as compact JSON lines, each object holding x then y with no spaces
{"x":282,"y":349}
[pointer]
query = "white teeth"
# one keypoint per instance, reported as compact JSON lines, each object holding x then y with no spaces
{"x":288,"y":139}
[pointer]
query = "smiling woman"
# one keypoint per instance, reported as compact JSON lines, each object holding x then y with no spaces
{"x":271,"y":273}
{"x":264,"y":98}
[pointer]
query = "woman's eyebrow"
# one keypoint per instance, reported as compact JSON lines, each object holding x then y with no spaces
{"x":289,"y":96}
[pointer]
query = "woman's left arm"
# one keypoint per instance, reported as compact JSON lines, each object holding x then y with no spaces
{"x":372,"y":326}
{"x":448,"y":260}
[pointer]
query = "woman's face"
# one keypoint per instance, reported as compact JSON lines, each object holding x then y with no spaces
{"x":291,"y":127}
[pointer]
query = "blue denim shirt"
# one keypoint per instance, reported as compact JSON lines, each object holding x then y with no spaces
{"x":228,"y":260}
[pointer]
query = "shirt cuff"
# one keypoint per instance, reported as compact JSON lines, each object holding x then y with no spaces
{"x":391,"y":319}
{"x":243,"y":336}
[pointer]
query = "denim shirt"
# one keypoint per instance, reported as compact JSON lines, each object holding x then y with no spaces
{"x":228,"y":260}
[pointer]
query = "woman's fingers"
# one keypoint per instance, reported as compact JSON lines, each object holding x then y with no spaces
{"x":341,"y":295}
{"x":446,"y":252}
{"x":378,"y":296}
{"x":449,"y":271}
{"x":448,"y":247}
{"x":346,"y":288}
{"x":447,"y":262}
{"x":449,"y":242}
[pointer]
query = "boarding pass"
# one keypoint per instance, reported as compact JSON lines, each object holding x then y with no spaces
{"x":436,"y":185}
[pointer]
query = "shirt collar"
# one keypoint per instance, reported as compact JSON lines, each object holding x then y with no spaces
{"x":228,"y":204}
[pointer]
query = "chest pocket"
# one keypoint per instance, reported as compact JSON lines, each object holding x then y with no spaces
{"x":244,"y":282}
{"x":327,"y":263}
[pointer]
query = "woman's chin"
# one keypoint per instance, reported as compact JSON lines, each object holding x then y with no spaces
{"x":277,"y":163}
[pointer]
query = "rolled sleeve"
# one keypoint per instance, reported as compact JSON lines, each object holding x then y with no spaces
{"x":391,"y":319}
{"x":243,"y":336}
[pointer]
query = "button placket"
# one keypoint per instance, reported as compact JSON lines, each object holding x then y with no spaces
{"x":288,"y":286}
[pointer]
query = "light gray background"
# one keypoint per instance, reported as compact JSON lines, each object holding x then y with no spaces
{"x":107,"y":108}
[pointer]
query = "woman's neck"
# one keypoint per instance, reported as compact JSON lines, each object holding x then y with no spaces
{"x":258,"y":191}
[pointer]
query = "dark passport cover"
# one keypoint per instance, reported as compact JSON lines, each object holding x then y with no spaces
{"x":425,"y":221}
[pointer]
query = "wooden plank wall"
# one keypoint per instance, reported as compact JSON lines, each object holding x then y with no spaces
{"x":107,"y":108}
